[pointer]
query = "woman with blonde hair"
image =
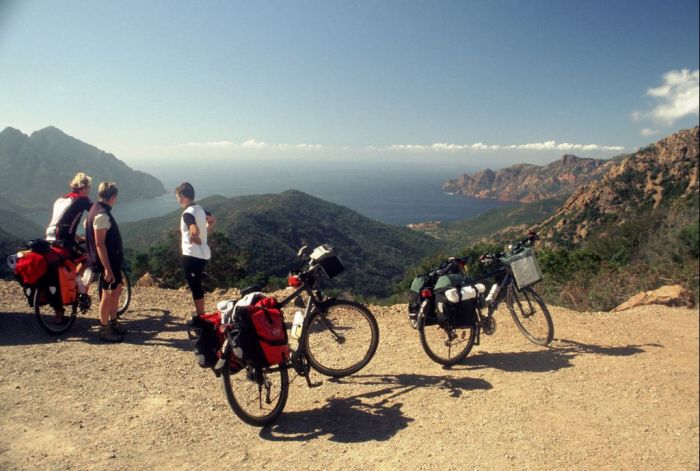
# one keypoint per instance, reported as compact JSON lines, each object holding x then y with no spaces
{"x":68,"y":211}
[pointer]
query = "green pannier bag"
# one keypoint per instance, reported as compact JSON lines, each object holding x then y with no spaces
{"x":446,"y":282}
{"x":418,"y":283}
{"x":460,"y":314}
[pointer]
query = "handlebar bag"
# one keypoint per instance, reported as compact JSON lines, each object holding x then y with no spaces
{"x":325,"y":256}
{"x":263,"y":337}
{"x":526,"y":270}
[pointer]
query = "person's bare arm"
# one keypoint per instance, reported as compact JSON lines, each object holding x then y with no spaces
{"x":194,"y":234}
{"x":211,"y":220}
{"x":100,"y":235}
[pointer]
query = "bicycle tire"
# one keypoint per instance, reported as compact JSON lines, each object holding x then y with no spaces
{"x":244,"y":393}
{"x":432,"y":336}
{"x":327,"y":333}
{"x":526,"y":318}
{"x":46,"y":314}
{"x":124,"y":297}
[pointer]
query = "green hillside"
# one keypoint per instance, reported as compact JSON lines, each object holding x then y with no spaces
{"x":458,"y":234}
{"x":635,"y":229}
{"x":36,"y":169}
{"x":14,"y":223}
{"x":266,"y":231}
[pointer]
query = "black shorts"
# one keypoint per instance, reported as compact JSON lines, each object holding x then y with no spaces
{"x":193,"y":268}
{"x":113,"y":285}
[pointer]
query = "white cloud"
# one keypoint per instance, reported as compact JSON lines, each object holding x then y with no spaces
{"x":299,"y":146}
{"x":408,"y":147}
{"x":648,"y":132}
{"x":212,"y":145}
{"x":253,"y":144}
{"x":481,"y":147}
{"x":249,"y":144}
{"x":675,"y":98}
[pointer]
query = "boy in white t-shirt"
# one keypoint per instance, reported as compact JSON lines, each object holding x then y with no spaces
{"x":195,"y":224}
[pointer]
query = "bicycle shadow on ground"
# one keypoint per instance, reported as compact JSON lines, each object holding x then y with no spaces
{"x":146,"y":327}
{"x":552,"y":358}
{"x":369,"y":416}
{"x":584,"y":348}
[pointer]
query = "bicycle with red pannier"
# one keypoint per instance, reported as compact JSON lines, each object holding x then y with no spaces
{"x":246,"y":341}
{"x":52,"y":284}
{"x":49,"y":279}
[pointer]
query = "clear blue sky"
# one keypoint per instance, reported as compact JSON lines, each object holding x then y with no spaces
{"x":477,"y":81}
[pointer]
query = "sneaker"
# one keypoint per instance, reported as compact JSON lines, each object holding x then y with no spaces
{"x":117,"y":327}
{"x":108,"y":334}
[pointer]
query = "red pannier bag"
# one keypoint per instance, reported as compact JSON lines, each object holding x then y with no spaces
{"x":67,"y":281}
{"x":30,"y":268}
{"x":207,"y":335}
{"x":267,"y":325}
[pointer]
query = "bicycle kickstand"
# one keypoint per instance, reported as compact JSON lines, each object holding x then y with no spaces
{"x":306,"y":368}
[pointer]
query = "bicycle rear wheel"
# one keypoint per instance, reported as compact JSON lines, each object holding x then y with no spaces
{"x":46,"y":315}
{"x":257,"y":395}
{"x":124,"y":297}
{"x":530,"y":314}
{"x":341,"y":338}
{"x":446,"y":345}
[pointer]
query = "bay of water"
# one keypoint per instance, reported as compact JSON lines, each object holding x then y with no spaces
{"x":393,"y":194}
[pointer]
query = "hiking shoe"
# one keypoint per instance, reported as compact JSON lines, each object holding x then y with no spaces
{"x":117,"y":327}
{"x":108,"y":334}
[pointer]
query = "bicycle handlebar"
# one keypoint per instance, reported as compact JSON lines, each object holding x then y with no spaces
{"x":489,"y":258}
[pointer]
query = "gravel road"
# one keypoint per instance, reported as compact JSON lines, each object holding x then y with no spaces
{"x":615,"y":391}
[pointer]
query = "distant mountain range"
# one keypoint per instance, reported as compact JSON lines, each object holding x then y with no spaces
{"x":36,"y":169}
{"x":528,"y":183}
{"x":271,"y":228}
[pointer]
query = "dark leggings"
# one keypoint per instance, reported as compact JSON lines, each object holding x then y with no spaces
{"x":193,"y":268}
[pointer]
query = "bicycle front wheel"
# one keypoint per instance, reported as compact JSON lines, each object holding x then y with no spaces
{"x":444,"y":344}
{"x":257,"y":395}
{"x":341,"y":338}
{"x":531,"y":315}
{"x":47,"y":317}
{"x":124,"y":297}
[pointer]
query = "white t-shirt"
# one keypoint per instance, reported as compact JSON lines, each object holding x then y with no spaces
{"x":101,"y":221}
{"x":188,"y":247}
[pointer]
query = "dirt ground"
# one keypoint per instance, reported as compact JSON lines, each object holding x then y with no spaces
{"x":614,"y":391}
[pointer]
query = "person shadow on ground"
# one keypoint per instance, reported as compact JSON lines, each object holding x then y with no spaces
{"x":147,"y":327}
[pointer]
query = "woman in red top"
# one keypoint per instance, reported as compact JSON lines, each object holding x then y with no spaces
{"x":68,"y":211}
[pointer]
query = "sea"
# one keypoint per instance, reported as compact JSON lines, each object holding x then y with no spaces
{"x":391,"y":193}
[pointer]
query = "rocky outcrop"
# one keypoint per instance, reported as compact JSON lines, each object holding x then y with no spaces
{"x":662,"y":172}
{"x":676,"y":296}
{"x":146,"y":281}
{"x":528,"y":183}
